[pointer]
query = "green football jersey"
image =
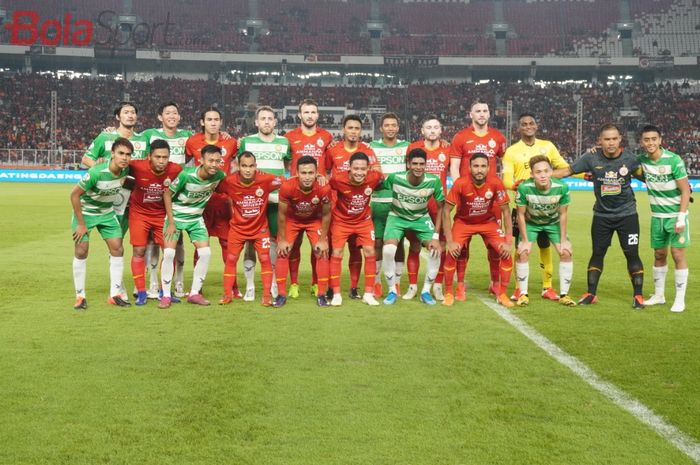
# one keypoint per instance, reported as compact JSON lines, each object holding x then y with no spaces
{"x":176,"y":142}
{"x":392,"y":160}
{"x":409,"y":201}
{"x":102,"y":189}
{"x":660,"y":177}
{"x":542,"y":207}
{"x":190,"y":194}
{"x":101,"y":147}
{"x":270,"y":156}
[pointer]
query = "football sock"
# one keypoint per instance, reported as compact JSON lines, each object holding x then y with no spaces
{"x":335,"y":266}
{"x":450,"y":265}
{"x":249,"y":273}
{"x":413,"y":265}
{"x":355,"y":266}
{"x":378,"y":277}
{"x":506,"y":270}
{"x":200,"y":270}
{"x":494,"y":264}
{"x":635,"y":269}
{"x":659,"y":274}
{"x":681,"y":277}
{"x":398,"y":271}
{"x":266,"y":273}
{"x":322,"y":270}
{"x":431,"y":272}
{"x":566,"y":273}
{"x":138,"y":271}
{"x":283,"y":266}
{"x":116,"y":270}
{"x":546,"y":266}
{"x":152,"y":256}
{"x":180,"y":259}
{"x":441,"y":270}
{"x":522,"y":273}
{"x":370,"y":273}
{"x":166,"y":271}
{"x":388,"y":252}
{"x":230,"y":272}
{"x":79,"y":273}
{"x":293,"y":260}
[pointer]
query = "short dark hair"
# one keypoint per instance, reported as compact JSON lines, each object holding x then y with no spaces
{"x":124,"y":142}
{"x":650,"y":128}
{"x":526,"y":114}
{"x":121,"y":106}
{"x":247,"y":154}
{"x":359,"y":156}
{"x":539,"y":159}
{"x":477,"y":155}
{"x":477,"y":101}
{"x":307,"y":160}
{"x":428,"y":117}
{"x":389,"y":115}
{"x":352,"y":118}
{"x":159,"y":144}
{"x":416,"y":153}
{"x":608,"y":126}
{"x":167,"y":104}
{"x":204,"y":113}
{"x":210,"y":148}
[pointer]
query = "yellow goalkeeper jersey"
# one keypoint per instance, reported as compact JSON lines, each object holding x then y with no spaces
{"x":516,"y":161}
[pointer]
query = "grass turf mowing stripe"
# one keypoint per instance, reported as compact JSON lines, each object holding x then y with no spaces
{"x":641,"y":412}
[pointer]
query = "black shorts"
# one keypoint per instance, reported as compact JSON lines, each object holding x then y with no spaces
{"x":627,"y":228}
{"x":542,"y":237}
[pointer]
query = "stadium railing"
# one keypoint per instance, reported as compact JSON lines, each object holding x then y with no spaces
{"x":37,"y":159}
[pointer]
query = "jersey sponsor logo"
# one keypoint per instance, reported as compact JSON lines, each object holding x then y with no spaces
{"x":398,"y":159}
{"x":412,"y":199}
{"x":612,"y":189}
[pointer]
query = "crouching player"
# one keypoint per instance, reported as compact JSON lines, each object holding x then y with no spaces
{"x":475,"y":197}
{"x":93,"y":207}
{"x":542,"y":204}
{"x":146,"y":209}
{"x":184,"y":203}
{"x":249,"y":190}
{"x":304,"y":206}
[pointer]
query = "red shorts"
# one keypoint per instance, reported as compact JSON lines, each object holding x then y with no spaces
{"x":141,"y":226}
{"x":491,"y":233}
{"x":236,"y":242}
{"x":217,"y":215}
{"x":312,"y":229}
{"x":363,"y":233}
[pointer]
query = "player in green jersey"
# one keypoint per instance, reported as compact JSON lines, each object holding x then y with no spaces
{"x":93,"y":207}
{"x":184,"y":202}
{"x":99,"y":150}
{"x":411,"y":192}
{"x":273,"y":155}
{"x":542,"y":206}
{"x":391,"y":155}
{"x":669,"y":196}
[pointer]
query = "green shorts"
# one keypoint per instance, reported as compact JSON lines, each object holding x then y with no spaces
{"x":380,"y":212}
{"x":196,"y":230}
{"x":107,"y":225}
{"x":551,"y":230}
{"x":396,"y":228}
{"x":663,"y":233}
{"x":272,"y":210}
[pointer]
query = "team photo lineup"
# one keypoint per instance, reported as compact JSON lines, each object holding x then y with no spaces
{"x":391,"y":201}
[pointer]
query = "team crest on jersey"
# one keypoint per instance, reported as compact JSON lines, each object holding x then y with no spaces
{"x":259,"y":192}
{"x":442,"y":157}
{"x":166,"y":183}
{"x":624,"y":171}
{"x":315,"y":200}
{"x":223,"y":152}
{"x":398,"y":151}
{"x":492,"y":143}
{"x":488,"y":194}
{"x":423,"y":193}
{"x":662,"y":170}
{"x":278,"y":148}
{"x":368,"y":191}
{"x":542,"y":151}
{"x":181,"y":142}
{"x":319,"y":142}
{"x":138,"y":145}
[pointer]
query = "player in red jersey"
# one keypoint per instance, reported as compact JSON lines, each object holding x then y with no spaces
{"x":477,"y":138}
{"x":475,"y":197}
{"x":248,"y":191}
{"x":218,"y":211}
{"x":306,"y":140}
{"x":304,"y":206}
{"x":352,"y":218}
{"x":437,"y":163}
{"x":337,"y":162}
{"x":147,"y":211}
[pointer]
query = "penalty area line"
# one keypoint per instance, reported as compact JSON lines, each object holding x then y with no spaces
{"x":625,"y":401}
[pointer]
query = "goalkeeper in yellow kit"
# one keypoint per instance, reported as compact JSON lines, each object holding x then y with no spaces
{"x":516,"y":168}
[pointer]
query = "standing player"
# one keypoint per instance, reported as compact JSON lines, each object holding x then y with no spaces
{"x":218,"y":210}
{"x":184,"y":202}
{"x":93,"y":207}
{"x":669,"y":196}
{"x":391,"y":155}
{"x":516,"y":168}
{"x":306,"y":140}
{"x":614,"y":211}
{"x":475,"y":197}
{"x":305,"y":206}
{"x":146,"y":209}
{"x":248,"y":190}
{"x":338,"y":161}
{"x":542,"y":204}
{"x":411,"y":191}
{"x":273,"y":154}
{"x":352,"y":218}
{"x":477,"y":138}
{"x":437,"y":163}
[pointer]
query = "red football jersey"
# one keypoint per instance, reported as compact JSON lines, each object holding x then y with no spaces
{"x":249,"y":202}
{"x":314,"y":145}
{"x":338,"y":159}
{"x":304,"y":207}
{"x":147,"y":197}
{"x":229,"y":147}
{"x":353,"y":199}
{"x":476,"y":204}
{"x":438,"y":161}
{"x":466,"y":142}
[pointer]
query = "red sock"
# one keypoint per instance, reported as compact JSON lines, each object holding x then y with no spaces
{"x":370,"y":273}
{"x":355,"y":266}
{"x":334,"y":280}
{"x":412,"y":266}
{"x":294,"y":258}
{"x":314,"y":273}
{"x":506,"y":270}
{"x":462,"y":265}
{"x":441,"y":271}
{"x":450,"y":265}
{"x":138,"y":270}
{"x":230,"y":272}
{"x":322,"y":266}
{"x":281,"y":270}
{"x":494,"y":265}
{"x":266,"y":273}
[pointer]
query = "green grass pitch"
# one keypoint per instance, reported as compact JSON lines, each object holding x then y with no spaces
{"x":408,"y":384}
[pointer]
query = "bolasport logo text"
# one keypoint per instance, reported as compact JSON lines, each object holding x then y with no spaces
{"x":28,"y":28}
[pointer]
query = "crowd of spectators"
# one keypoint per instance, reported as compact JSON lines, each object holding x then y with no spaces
{"x":85,"y":107}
